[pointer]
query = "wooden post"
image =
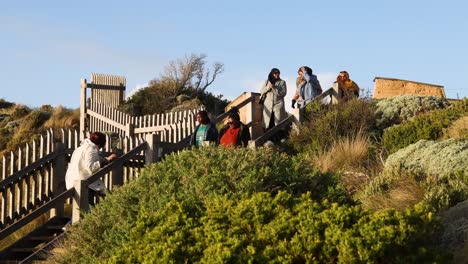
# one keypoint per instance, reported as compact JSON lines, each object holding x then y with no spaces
{"x":130,"y":130}
{"x":80,"y":200}
{"x":252,"y":144}
{"x":58,"y":177}
{"x":298,"y":118}
{"x":249,"y":115}
{"x":83,"y":106}
{"x":335,"y":100}
{"x":153,"y":151}
{"x":117,"y":173}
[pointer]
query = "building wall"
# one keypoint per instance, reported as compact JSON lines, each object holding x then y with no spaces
{"x":386,"y":87}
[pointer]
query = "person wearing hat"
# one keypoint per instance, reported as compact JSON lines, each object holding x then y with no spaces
{"x":85,"y":161}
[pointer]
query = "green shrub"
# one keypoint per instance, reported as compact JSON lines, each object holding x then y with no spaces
{"x":325,"y":125}
{"x":401,"y":108}
{"x":280,"y":229}
{"x":439,"y":167}
{"x":195,"y":177}
{"x":430,"y":127}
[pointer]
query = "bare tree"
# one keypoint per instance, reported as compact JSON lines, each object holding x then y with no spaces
{"x":190,"y":73}
{"x":186,"y":77}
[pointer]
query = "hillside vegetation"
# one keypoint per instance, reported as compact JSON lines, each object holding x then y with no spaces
{"x":20,"y":124}
{"x":350,"y":187}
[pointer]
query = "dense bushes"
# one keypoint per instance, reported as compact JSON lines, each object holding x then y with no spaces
{"x":239,"y":205}
{"x":438,"y":167}
{"x":429,"y":127}
{"x":325,"y":125}
{"x":394,"y":110}
{"x":195,"y":177}
{"x":280,"y":229}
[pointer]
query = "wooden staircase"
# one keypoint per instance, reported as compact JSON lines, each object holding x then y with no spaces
{"x":34,"y":246}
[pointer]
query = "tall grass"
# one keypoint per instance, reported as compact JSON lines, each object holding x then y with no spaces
{"x":406,"y":193}
{"x":346,"y":153}
{"x":459,"y":129}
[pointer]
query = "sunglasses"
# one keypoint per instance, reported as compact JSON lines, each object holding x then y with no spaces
{"x":230,"y":123}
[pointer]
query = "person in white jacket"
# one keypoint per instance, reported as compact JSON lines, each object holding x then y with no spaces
{"x":86,"y":160}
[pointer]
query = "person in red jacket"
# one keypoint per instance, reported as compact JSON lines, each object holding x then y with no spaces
{"x":234,"y":133}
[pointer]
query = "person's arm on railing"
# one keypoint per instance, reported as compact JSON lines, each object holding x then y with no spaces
{"x":106,"y":160}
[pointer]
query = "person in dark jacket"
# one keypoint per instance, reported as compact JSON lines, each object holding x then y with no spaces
{"x":234,"y":133}
{"x":205,"y":131}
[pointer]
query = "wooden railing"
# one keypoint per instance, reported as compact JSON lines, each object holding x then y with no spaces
{"x":81,"y":190}
{"x":34,"y":176}
{"x":104,"y":118}
{"x":268,"y":134}
{"x":99,"y":113}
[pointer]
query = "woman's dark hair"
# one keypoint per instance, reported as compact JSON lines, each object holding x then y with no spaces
{"x":308,"y":70}
{"x":234,"y":113}
{"x":98,"y":138}
{"x":271,"y":78}
{"x":204,"y":117}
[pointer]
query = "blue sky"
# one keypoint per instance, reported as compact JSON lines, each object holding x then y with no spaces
{"x":47,"y":46}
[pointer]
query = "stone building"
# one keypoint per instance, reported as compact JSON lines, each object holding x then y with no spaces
{"x":389,"y":87}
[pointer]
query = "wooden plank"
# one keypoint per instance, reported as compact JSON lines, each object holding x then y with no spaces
{"x":29,"y":169}
{"x":262,"y":139}
{"x":239,"y":106}
{"x":107,"y":120}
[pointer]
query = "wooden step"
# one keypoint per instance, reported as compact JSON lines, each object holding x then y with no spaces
{"x":41,"y":238}
{"x":23,"y":250}
{"x":54,"y":227}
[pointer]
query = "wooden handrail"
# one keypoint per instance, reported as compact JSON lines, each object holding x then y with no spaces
{"x":238,"y":106}
{"x":117,"y":162}
{"x":329,"y":92}
{"x":260,"y":140}
{"x":36,"y":213}
{"x":30,"y":168}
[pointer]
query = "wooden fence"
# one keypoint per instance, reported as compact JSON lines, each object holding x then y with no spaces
{"x":99,"y":113}
{"x":33,"y":178}
{"x":171,"y":127}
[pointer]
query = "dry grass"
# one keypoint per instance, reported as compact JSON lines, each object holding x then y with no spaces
{"x":63,"y":118}
{"x":459,"y":129}
{"x":349,"y":153}
{"x":405,"y":194}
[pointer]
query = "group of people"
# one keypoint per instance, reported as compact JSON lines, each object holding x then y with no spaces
{"x":86,"y":159}
{"x":273,"y":91}
{"x":233,"y":133}
{"x":307,"y":88}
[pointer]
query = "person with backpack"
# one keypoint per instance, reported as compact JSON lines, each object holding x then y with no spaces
{"x":307,"y":87}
